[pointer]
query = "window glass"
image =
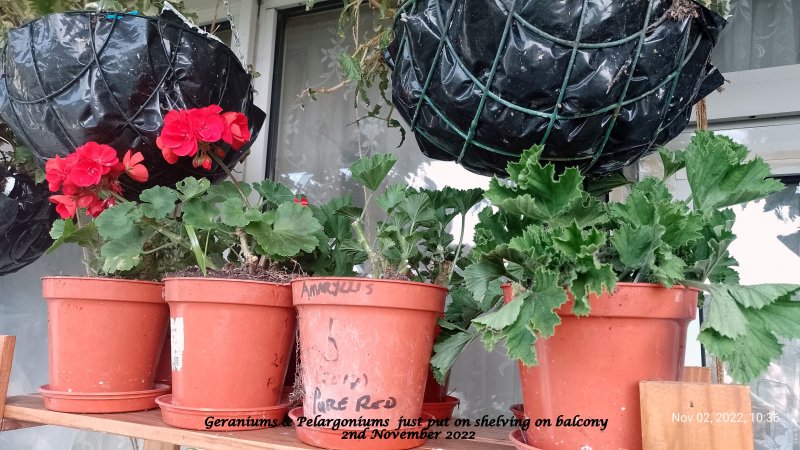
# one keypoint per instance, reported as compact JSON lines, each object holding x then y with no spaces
{"x":760,"y":34}
{"x":768,"y":250}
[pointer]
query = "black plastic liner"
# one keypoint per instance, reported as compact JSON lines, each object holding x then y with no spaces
{"x":75,"y":77}
{"x":25,"y":219}
{"x":480,"y":81}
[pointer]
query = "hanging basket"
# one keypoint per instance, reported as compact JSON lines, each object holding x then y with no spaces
{"x":481,"y":81}
{"x":75,"y":77}
{"x":25,"y":219}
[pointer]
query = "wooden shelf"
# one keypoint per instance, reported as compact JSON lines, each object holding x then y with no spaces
{"x":28,"y":410}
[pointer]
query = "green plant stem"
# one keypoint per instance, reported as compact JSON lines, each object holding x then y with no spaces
{"x":362,"y":239}
{"x":88,"y":255}
{"x":230,"y":175}
{"x":458,"y":249}
{"x":161,"y":247}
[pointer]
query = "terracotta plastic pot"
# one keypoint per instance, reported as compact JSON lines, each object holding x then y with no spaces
{"x":105,"y":335}
{"x":435,"y":392}
{"x":441,"y":410}
{"x":365,"y":345}
{"x":230,"y":342}
{"x":592,"y":366}
{"x":164,"y":367}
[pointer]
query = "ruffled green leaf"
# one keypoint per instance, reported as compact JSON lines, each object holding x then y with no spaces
{"x":720,"y":177}
{"x":372,"y":171}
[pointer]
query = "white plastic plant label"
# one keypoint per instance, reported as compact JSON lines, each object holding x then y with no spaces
{"x":176,"y":341}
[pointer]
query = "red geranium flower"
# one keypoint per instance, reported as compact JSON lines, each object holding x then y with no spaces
{"x":89,"y":178}
{"x":103,"y":155}
{"x":56,"y":171}
{"x":302,"y":201}
{"x":207,"y":124}
{"x":132,"y":165}
{"x":86,"y":173}
{"x":177,"y":138}
{"x":236,"y":131}
{"x":65,"y":205}
{"x":96,"y":206}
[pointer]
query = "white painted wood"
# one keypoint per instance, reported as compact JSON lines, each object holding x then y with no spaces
{"x":282,"y":4}
{"x":760,"y":93}
{"x":206,"y":10}
{"x":247,"y":24}
{"x":264,"y":62}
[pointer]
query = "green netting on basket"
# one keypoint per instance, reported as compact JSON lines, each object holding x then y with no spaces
{"x":600,"y":84}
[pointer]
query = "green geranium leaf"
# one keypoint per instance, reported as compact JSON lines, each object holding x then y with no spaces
{"x":65,"y":231}
{"x":782,"y":318}
{"x":464,"y":200}
{"x":598,"y":187}
{"x":521,"y":338}
{"x":575,"y":242}
{"x":372,"y":171}
{"x":503,"y":317}
{"x":199,"y":213}
{"x":350,"y":67}
{"x":545,"y":302}
{"x":227,"y":189}
{"x":117,"y":221}
{"x":291,"y":230}
{"x":274,"y":193}
{"x":392,"y":197}
{"x":672,"y":160}
{"x":719,"y":177}
{"x":759,"y":295}
{"x":190,"y":188}
{"x":592,"y":279}
{"x":724,"y":315}
{"x":636,"y":245}
{"x":668,"y":268}
{"x":234,"y":213}
{"x":537,"y":193}
{"x":158,"y":202}
{"x":419,"y":210}
{"x":123,"y":252}
{"x":477,"y":277}
{"x":446,"y":351}
{"x":747,"y":357}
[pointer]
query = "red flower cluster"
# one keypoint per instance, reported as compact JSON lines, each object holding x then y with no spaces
{"x":303,"y":201}
{"x":89,"y":178}
{"x":188,"y":130}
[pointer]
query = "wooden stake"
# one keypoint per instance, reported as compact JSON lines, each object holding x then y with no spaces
{"x":6,"y":357}
{"x":696,"y":375}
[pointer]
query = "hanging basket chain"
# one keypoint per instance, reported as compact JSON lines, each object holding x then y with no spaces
{"x":235,"y":32}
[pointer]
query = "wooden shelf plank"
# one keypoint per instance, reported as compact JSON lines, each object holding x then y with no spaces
{"x":147,"y":425}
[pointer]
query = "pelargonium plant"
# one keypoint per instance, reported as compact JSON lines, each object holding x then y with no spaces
{"x":548,"y":236}
{"x":410,"y":243}
{"x":213,"y":227}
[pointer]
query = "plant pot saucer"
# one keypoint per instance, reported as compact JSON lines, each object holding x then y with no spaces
{"x":325,"y":437}
{"x":220,"y":419}
{"x":441,"y":410}
{"x":518,"y":409}
{"x":101,"y":402}
{"x":517,"y":438}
